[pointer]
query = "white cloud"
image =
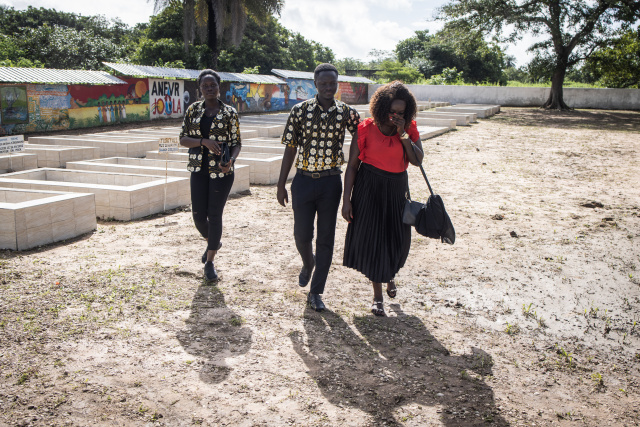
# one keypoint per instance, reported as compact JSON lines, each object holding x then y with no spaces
{"x":128,"y":11}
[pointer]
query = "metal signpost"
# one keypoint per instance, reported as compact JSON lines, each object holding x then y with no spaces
{"x":167,"y":145}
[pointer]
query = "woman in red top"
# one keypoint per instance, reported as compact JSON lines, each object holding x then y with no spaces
{"x":377,"y":241}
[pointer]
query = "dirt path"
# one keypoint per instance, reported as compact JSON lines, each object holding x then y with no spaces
{"x":529,"y":319}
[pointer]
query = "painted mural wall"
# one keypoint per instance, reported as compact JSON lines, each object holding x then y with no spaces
{"x":102,"y":105}
{"x":254,"y":97}
{"x":30,"y":108}
{"x":47,"y":108}
{"x":166,"y":98}
{"x":299,"y":90}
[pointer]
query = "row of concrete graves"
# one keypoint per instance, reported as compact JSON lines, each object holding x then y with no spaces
{"x":65,"y":181}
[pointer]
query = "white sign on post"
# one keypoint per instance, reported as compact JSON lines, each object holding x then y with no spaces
{"x":169,"y":145}
{"x":166,"y":146}
{"x":12,"y":144}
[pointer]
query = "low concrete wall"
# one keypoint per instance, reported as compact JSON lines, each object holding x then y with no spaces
{"x":609,"y":99}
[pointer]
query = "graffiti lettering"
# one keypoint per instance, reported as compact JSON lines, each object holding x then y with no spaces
{"x":157,"y":107}
{"x":162,"y":88}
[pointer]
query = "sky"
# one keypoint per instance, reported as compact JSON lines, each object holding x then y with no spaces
{"x":351,"y":28}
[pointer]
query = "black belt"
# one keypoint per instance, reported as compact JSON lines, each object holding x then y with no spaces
{"x":334,"y":171}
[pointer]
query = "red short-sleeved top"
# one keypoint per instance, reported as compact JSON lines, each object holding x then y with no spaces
{"x":381,"y":151}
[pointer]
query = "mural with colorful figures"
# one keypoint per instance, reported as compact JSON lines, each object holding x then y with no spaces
{"x":47,"y":109}
{"x":298,"y":90}
{"x":102,"y":105}
{"x":253,"y":97}
{"x":13,"y":105}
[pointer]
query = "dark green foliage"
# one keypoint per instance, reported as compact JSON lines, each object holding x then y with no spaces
{"x":454,"y":47}
{"x":46,"y":37}
{"x":570,"y":30}
{"x":67,"y":48}
{"x":269,"y":45}
{"x":618,"y":64}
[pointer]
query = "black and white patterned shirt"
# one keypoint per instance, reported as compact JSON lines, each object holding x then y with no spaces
{"x":224,"y":128}
{"x":319,"y":134}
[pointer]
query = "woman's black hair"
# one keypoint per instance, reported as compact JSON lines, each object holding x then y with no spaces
{"x":208,"y":72}
{"x":380,"y":102}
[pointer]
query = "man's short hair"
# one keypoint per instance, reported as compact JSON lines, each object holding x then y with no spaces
{"x":324,"y":67}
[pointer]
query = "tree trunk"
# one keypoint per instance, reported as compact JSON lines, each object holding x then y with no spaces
{"x":212,"y":37}
{"x":555,"y":100}
{"x":188,"y":24}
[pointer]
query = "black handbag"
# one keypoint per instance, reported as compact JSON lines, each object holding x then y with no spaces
{"x":430,"y":219}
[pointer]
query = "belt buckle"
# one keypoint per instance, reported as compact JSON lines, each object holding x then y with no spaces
{"x":315,"y":175}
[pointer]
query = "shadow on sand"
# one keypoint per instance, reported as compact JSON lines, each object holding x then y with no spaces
{"x":391,"y":362}
{"x":214,"y":332}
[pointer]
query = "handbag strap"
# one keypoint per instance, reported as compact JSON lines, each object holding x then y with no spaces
{"x":425,"y":178}
{"x":423,"y":174}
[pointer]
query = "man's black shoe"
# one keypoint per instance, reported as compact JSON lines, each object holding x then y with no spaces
{"x":210,"y":273}
{"x":315,"y":302}
{"x":305,"y":274}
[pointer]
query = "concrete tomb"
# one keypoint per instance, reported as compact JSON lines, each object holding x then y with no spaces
{"x":117,"y":195}
{"x":30,"y":218}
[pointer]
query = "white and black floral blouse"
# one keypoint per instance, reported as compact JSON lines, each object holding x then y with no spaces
{"x":224,"y":128}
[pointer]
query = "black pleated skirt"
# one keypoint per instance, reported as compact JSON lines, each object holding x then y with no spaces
{"x":377,"y":242}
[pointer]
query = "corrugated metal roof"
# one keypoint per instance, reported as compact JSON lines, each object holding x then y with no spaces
{"x":182,"y":73}
{"x":250,"y":78}
{"x":53,"y":76}
{"x":148,"y":71}
{"x":289,"y":74}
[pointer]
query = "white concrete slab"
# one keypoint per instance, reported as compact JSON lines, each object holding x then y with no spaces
{"x":57,"y":156}
{"x":108,"y":146}
{"x":120,"y":196}
{"x":156,"y":167}
{"x":30,"y":218}
{"x":17,"y":162}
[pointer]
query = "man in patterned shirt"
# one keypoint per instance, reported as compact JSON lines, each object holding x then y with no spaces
{"x":314,"y":135}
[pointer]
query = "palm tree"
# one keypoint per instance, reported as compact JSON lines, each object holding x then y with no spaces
{"x":219,"y":21}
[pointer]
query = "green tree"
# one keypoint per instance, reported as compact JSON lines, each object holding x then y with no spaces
{"x":62,"y":47}
{"x":394,"y":70}
{"x":573,"y":29}
{"x":349,"y":64}
{"x":618,"y":64}
{"x":454,"y":47}
{"x":269,"y":45}
{"x":158,"y":52}
{"x":219,"y":23}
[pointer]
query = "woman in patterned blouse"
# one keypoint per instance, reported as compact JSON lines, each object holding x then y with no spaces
{"x":377,"y":241}
{"x":209,"y":129}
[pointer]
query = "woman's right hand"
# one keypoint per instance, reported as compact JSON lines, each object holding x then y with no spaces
{"x":347,"y":212}
{"x":212,"y":146}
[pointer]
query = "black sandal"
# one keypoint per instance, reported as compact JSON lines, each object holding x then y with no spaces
{"x":378,"y":308}
{"x":394,"y":290}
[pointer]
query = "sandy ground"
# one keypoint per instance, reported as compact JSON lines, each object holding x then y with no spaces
{"x":531,"y":318}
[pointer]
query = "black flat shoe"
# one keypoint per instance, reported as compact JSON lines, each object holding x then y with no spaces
{"x":204,"y":255}
{"x":305,"y":274}
{"x":315,"y":302}
{"x":210,"y":273}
